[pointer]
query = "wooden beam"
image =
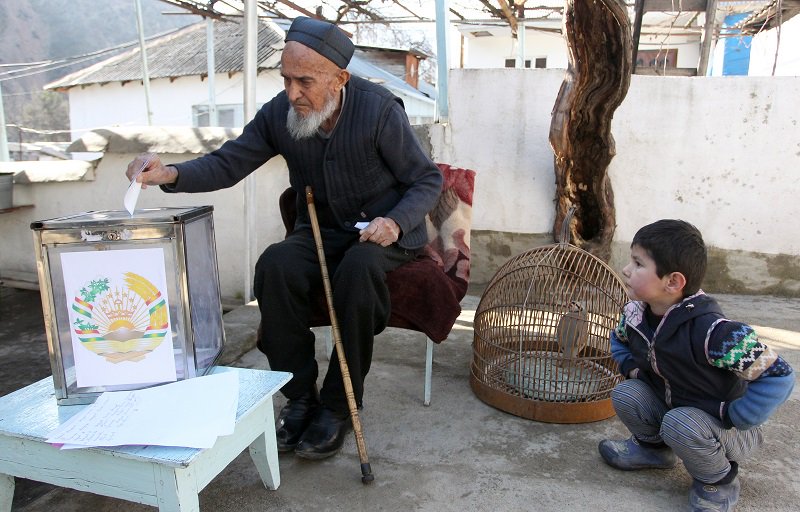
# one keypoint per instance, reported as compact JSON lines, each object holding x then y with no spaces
{"x":509,"y":15}
{"x":708,"y":35}
{"x":298,"y":8}
{"x":366,"y":12}
{"x":409,"y":11}
{"x":196,"y":9}
{"x":492,"y":9}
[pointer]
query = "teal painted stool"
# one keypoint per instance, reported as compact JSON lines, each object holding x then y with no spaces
{"x":165,"y":477}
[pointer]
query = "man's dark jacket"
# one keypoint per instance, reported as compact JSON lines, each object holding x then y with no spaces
{"x":371,"y":165}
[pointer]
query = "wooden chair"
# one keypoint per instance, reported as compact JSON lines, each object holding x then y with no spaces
{"x":425,"y":293}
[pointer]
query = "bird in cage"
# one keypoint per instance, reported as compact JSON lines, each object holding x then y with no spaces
{"x":572,"y":333}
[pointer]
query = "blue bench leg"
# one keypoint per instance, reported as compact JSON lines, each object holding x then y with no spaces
{"x":177,"y":490}
{"x":265,"y":457}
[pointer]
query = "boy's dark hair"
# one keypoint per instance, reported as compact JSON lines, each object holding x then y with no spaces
{"x":675,"y":246}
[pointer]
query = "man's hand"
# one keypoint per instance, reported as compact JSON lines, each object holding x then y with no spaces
{"x":148,"y":170}
{"x":382,"y":231}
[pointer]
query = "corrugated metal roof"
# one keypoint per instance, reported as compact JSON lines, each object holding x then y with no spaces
{"x":767,"y":16}
{"x":182,"y":53}
{"x":365,"y":69}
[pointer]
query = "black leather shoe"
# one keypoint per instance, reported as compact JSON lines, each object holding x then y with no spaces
{"x":325,"y":436}
{"x":294,"y":418}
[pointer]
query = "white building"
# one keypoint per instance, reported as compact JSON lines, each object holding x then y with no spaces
{"x":765,"y":46}
{"x":669,"y":43}
{"x":111,"y":93}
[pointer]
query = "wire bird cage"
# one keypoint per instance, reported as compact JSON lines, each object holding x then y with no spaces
{"x":541,"y":348}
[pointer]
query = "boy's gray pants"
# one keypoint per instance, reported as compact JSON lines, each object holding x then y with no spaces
{"x":696,"y":437}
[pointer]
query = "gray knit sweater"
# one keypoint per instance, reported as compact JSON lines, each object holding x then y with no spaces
{"x":371,"y":165}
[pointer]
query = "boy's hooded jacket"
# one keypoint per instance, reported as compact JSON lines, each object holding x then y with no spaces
{"x":698,"y":358}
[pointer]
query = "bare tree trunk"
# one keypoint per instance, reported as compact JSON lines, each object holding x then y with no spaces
{"x":599,"y":43}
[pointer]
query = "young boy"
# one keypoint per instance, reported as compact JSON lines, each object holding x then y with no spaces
{"x":698,"y":385}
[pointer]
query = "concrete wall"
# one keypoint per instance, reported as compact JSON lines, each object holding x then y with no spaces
{"x":722,"y":153}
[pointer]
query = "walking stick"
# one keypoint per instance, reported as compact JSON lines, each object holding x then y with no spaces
{"x":366,"y":470}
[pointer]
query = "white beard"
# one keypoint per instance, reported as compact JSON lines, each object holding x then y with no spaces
{"x":302,"y":127}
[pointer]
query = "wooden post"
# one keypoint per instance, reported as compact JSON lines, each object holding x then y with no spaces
{"x":597,"y":80}
{"x":637,"y":32}
{"x":708,"y":36}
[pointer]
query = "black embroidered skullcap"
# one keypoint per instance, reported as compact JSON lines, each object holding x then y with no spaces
{"x":322,"y":37}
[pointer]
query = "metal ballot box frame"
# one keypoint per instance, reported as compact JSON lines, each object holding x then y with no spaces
{"x":118,"y":290}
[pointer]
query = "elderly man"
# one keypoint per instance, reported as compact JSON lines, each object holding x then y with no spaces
{"x":350,"y":140}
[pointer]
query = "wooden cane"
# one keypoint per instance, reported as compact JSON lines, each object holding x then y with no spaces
{"x":366,"y":470}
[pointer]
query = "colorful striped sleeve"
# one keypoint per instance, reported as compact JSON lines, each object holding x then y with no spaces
{"x":735,"y":346}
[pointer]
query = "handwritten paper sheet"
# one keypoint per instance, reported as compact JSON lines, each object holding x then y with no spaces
{"x":190,"y":413}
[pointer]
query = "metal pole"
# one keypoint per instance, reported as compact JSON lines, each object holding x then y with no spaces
{"x":442,"y":24}
{"x":212,"y":67}
{"x":145,"y":72}
{"x":521,"y":42}
{"x":3,"y":135}
{"x":250,"y":71}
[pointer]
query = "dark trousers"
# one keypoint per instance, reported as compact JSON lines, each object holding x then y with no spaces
{"x":287,"y":282}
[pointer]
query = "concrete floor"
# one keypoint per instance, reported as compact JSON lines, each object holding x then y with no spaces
{"x":457,"y":454}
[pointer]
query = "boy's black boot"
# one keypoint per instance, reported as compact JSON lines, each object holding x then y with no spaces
{"x":716,"y":497}
{"x":629,"y":454}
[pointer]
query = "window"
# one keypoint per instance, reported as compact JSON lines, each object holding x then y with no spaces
{"x":228,"y":116}
{"x":512,"y":63}
{"x":541,"y":62}
{"x":657,"y":58}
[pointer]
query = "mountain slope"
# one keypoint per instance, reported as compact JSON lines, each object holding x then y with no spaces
{"x":38,"y":30}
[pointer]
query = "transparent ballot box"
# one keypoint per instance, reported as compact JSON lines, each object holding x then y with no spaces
{"x":129,"y":301}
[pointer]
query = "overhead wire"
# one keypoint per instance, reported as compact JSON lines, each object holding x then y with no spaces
{"x":778,"y":35}
{"x":33,"y":68}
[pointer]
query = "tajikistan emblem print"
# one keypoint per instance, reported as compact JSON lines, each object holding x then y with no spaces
{"x":119,"y":318}
{"x":120,"y":322}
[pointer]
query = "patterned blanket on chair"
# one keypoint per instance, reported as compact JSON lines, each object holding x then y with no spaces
{"x":427,"y":292}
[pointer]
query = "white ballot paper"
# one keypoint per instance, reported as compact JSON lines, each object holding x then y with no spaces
{"x":132,"y":195}
{"x":190,"y":413}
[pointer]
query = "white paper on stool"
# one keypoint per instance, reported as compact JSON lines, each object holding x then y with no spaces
{"x":190,"y":413}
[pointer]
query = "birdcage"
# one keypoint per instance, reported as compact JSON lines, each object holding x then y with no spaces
{"x":541,"y":346}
